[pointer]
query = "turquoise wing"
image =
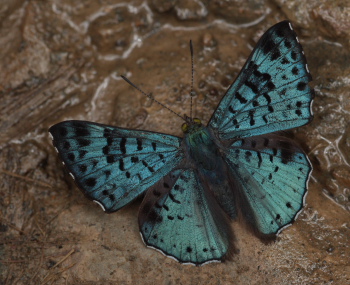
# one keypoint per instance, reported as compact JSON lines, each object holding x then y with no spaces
{"x":180,"y":217}
{"x":270,"y":177}
{"x":271,"y":93}
{"x":113,"y":166}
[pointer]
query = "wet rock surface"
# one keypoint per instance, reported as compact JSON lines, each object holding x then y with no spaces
{"x":62,"y":60}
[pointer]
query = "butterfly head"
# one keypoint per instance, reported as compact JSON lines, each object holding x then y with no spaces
{"x":191,"y":125}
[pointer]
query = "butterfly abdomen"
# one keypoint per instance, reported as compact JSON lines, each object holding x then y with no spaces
{"x":204,"y":153}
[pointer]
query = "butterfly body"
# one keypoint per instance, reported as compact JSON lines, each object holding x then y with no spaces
{"x":201,"y":148}
{"x":234,"y":166}
{"x":205,"y":152}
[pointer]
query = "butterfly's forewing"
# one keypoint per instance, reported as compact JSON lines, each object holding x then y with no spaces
{"x":271,"y":93}
{"x":180,"y":217}
{"x":270,"y":176}
{"x":113,"y":165}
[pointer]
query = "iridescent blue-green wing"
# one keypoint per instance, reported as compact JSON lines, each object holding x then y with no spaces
{"x":113,"y":166}
{"x":271,"y":93}
{"x":180,"y":217}
{"x":270,"y":177}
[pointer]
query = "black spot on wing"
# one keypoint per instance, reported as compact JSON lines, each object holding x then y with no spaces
{"x":139,"y":144}
{"x":267,"y":97}
{"x":259,"y":159}
{"x":105,"y":150}
{"x":270,"y":86}
{"x":172,"y":197}
{"x":121,"y":164}
{"x":134,"y":159}
{"x":268,"y":45}
{"x":90,"y":182}
{"x":265,"y":119}
{"x":83,"y":142}
{"x":151,"y":169}
{"x":154,"y":146}
{"x":122,"y":145}
{"x":108,"y":134}
{"x":71,"y":156}
{"x":80,"y":130}
{"x":248,"y":155}
{"x":231,"y":110}
{"x":251,"y":115}
{"x":240,"y":98}
{"x":252,"y":86}
{"x":295,"y":70}
{"x":82,"y":168}
{"x":111,"y":158}
{"x":301,"y":86}
{"x":275,"y":55}
{"x":287,"y":44}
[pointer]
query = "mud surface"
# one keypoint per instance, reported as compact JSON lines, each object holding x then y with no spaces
{"x":63,"y":59}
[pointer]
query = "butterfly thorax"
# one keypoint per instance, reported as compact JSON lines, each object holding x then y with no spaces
{"x":200,"y":145}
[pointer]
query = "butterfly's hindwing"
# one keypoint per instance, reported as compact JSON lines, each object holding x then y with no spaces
{"x":270,"y":176}
{"x":271,"y":93}
{"x":180,"y":217}
{"x":113,"y":165}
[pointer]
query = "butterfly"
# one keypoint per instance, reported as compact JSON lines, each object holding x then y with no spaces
{"x":236,"y":166}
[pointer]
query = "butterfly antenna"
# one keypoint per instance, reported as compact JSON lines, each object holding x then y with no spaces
{"x":150,"y":97}
{"x":192,"y":72}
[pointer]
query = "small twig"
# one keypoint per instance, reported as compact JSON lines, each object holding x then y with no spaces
{"x":58,"y":212}
{"x":25,"y":178}
{"x":59,"y":262}
{"x":56,"y":273}
{"x":64,"y":258}
{"x":12,"y":261}
{"x":15,"y":228}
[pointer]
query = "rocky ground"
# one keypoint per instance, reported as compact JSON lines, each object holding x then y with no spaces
{"x":61,"y":59}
